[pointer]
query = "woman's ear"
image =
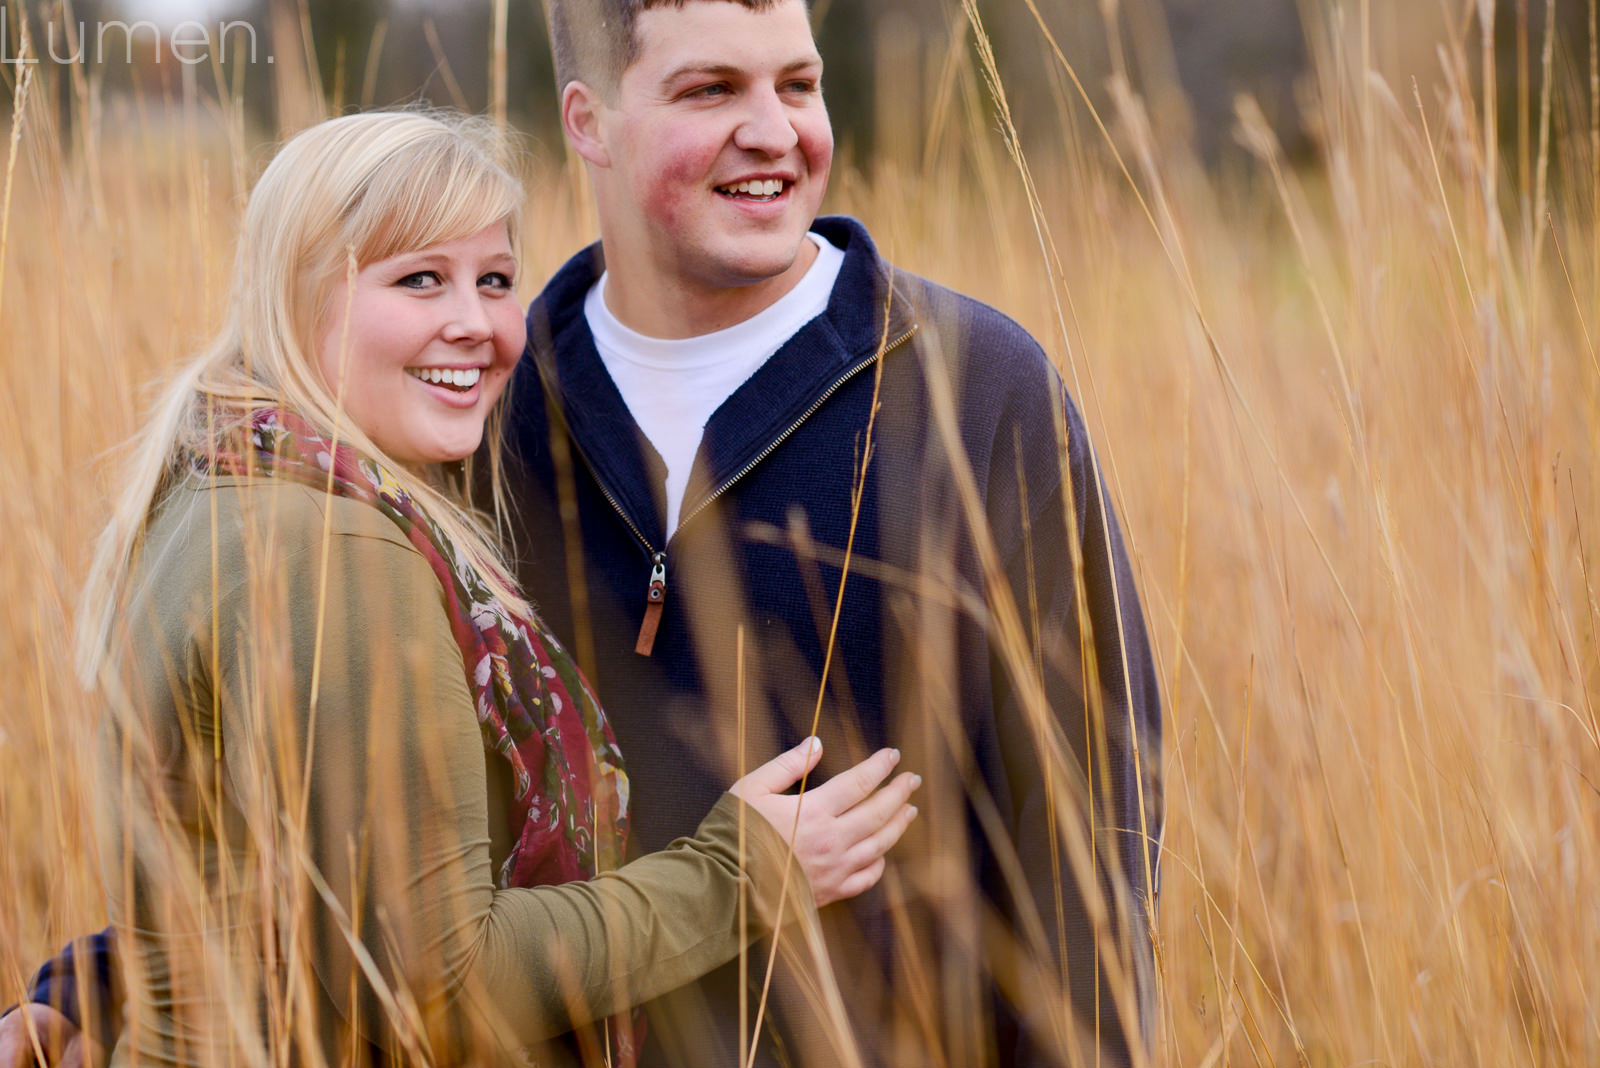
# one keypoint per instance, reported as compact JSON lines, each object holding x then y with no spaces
{"x":581,"y":114}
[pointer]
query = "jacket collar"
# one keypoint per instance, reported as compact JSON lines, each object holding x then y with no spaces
{"x":829,"y":348}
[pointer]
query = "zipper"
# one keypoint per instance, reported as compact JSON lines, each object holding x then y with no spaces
{"x":655,"y":599}
{"x":656,"y":592}
{"x":781,"y":438}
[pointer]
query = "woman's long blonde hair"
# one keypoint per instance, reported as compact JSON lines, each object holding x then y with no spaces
{"x":355,"y":189}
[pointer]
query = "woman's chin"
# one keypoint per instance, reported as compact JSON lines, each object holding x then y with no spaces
{"x":449,"y":450}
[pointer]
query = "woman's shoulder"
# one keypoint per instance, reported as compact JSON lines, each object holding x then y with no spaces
{"x":264,"y":556}
{"x":254,"y":526}
{"x":292,"y":513}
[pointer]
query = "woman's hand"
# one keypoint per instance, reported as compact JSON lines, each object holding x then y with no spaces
{"x":839,"y":831}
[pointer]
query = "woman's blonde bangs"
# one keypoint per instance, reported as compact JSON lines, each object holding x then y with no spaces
{"x":431,"y":191}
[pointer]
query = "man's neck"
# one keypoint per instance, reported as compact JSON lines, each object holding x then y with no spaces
{"x":648,"y":302}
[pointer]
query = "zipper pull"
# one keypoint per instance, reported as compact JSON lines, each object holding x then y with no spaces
{"x":655,"y":599}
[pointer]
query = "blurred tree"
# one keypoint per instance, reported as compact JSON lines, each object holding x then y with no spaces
{"x":846,"y":37}
{"x":1188,"y":59}
{"x":341,"y":36}
{"x":1254,"y":47}
{"x":1519,"y":43}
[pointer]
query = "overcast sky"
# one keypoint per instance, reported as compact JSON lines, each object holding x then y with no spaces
{"x":170,"y":12}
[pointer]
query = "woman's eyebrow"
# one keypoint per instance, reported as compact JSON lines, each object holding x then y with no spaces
{"x":434,"y":258}
{"x":417,"y":258}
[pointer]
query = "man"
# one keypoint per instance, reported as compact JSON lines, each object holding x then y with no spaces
{"x":763,"y":478}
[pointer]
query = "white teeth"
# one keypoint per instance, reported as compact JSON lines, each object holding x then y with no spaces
{"x":464,"y":378}
{"x":769,"y":187}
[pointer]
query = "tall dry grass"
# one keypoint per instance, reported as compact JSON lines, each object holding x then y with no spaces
{"x":1350,"y":414}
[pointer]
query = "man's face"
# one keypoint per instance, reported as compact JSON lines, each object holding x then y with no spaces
{"x":719,"y":144}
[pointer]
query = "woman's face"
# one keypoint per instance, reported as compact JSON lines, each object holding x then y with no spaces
{"x":431,"y":339}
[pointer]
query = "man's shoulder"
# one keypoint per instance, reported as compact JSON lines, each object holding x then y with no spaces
{"x":996,"y":368}
{"x":962,"y":326}
{"x":983,"y":328}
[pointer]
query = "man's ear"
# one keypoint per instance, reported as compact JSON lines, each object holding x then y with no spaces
{"x":581,"y":109}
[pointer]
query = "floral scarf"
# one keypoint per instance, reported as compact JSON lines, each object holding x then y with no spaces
{"x":535,"y":710}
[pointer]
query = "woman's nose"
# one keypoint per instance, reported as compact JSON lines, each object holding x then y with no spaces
{"x":469,"y":319}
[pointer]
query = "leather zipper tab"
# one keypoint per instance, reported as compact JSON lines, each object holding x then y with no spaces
{"x":655,"y":600}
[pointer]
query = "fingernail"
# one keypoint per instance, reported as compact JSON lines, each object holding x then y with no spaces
{"x":916,"y":781}
{"x":813,"y":745}
{"x":896,"y":753}
{"x":913,"y":811}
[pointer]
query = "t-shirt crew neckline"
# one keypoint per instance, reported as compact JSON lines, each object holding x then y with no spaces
{"x":781,"y":320}
{"x":672,"y":386}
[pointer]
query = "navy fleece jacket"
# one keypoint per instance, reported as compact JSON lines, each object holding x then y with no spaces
{"x":980,"y":511}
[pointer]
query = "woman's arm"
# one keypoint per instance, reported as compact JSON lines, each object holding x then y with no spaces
{"x":397,"y":822}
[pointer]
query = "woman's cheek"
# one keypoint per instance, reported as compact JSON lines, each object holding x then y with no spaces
{"x":494,"y":384}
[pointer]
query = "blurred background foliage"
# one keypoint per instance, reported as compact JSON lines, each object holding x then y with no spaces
{"x":1350,"y":411}
{"x":879,"y":53}
{"x":1189,"y":60}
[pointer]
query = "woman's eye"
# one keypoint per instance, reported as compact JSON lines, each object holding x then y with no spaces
{"x":496,"y":280}
{"x":419,"y":280}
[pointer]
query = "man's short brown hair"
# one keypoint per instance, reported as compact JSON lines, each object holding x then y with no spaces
{"x":594,"y":41}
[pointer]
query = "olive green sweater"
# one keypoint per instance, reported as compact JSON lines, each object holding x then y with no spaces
{"x":299,"y":830}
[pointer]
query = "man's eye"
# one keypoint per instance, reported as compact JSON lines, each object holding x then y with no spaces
{"x":802,"y":86}
{"x":714,"y":89}
{"x":419,"y":280}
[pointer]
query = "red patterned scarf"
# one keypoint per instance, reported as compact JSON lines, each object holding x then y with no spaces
{"x":535,"y":710}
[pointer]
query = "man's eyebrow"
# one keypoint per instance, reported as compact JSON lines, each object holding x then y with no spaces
{"x":728,"y":70}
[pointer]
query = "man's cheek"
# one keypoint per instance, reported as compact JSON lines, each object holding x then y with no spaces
{"x":670,"y":195}
{"x":822,"y":161}
{"x":816,"y":141}
{"x":661,"y":208}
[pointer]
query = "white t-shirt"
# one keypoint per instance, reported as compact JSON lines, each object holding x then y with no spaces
{"x":672,"y":386}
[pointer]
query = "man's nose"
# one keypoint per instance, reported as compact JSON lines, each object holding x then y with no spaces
{"x":766,"y":125}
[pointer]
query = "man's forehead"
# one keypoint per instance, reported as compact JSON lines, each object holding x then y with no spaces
{"x":690,"y":32}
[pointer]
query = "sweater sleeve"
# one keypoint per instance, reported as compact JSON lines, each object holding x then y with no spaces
{"x":79,"y":983}
{"x":1088,"y":834}
{"x":397,"y":858}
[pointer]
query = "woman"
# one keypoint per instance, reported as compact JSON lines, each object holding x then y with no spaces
{"x":357,"y":800}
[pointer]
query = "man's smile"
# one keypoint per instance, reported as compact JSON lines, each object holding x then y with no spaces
{"x":759,"y":189}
